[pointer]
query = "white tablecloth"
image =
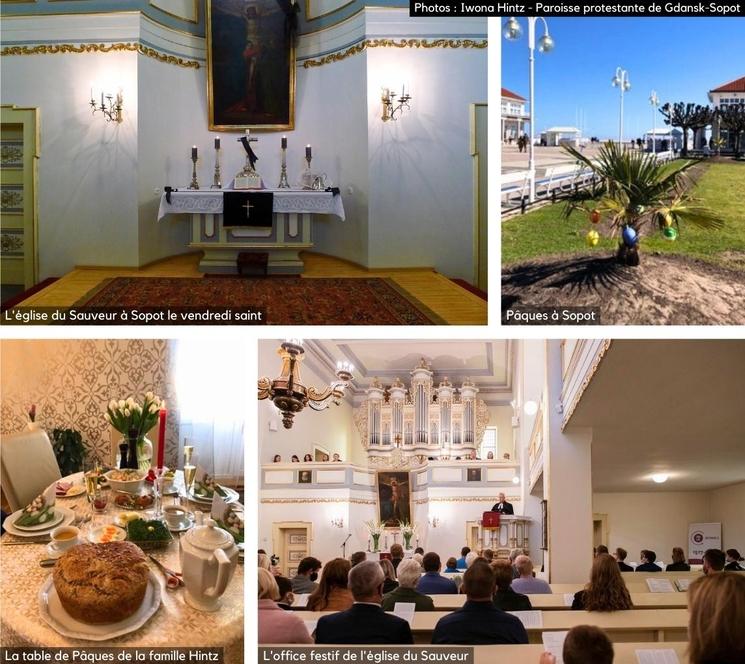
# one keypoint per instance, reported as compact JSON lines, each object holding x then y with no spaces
{"x":286,"y":201}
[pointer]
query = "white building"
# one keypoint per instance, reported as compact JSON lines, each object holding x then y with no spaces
{"x":725,"y":95}
{"x":665,"y":138}
{"x":556,"y":136}
{"x":514,"y":116}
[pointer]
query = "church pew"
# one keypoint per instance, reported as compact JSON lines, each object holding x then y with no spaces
{"x":624,"y":653}
{"x":555,"y":602}
{"x":621,"y":626}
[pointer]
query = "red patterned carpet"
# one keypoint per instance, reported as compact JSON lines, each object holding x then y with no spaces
{"x":286,"y":301}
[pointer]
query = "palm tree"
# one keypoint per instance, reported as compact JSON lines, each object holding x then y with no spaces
{"x":637,"y":190}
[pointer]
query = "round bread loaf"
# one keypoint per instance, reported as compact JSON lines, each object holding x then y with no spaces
{"x":101,"y":583}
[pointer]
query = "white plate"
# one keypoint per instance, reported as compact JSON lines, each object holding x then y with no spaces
{"x":58,"y":516}
{"x":60,"y":621}
{"x":67,"y":518}
{"x":96,"y":534}
{"x":231,"y":497}
{"x":72,"y":492}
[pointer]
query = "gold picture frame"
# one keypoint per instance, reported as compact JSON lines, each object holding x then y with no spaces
{"x":393,"y":490}
{"x":224,"y":116}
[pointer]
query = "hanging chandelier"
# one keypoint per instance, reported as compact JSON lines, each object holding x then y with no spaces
{"x":288,"y":393}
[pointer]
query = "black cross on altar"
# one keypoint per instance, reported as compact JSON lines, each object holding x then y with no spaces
{"x":248,"y":207}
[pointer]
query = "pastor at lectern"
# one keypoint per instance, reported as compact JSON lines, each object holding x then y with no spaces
{"x":503,"y":507}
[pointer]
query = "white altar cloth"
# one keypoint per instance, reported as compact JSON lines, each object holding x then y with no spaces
{"x":286,"y":201}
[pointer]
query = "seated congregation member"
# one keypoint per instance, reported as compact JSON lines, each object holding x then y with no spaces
{"x":488,"y":554}
{"x":478,"y":621}
{"x":451,"y":565}
{"x":526,"y":583}
{"x":514,"y":553}
{"x":365,"y":622}
{"x":295,"y":459}
{"x":419,"y":557}
{"x":419,"y":550}
{"x":620,"y":556}
{"x":276,"y":625}
{"x":716,"y":606}
{"x":505,"y":597}
{"x":277,"y":459}
{"x":606,"y":590}
{"x":713,"y":561}
{"x":584,"y":644}
{"x":432,"y":582}
{"x":409,"y":572}
{"x":397,"y":555}
{"x":601,"y":548}
{"x":733,"y":561}
{"x":647,"y":559}
{"x":284,"y":585}
{"x":358,"y":557}
{"x":332,"y":593}
{"x":461,"y":562}
{"x":472,"y":556}
{"x":307,"y":458}
{"x":304,"y":581}
{"x":390,"y":583}
{"x":265,"y":562}
{"x":679,"y":563}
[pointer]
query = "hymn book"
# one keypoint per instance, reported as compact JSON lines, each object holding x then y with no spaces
{"x":661,"y":656}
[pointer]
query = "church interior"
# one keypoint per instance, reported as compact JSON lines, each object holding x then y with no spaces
{"x":128,"y":126}
{"x":632,"y":445}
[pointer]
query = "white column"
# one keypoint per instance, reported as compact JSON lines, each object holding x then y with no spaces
{"x":568,"y":472}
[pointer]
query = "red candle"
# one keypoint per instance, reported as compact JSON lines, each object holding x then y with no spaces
{"x":161,"y":437}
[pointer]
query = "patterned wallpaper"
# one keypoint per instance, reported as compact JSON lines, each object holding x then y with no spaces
{"x":71,"y":381}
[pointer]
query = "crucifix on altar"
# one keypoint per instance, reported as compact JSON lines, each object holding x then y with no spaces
{"x":248,"y":178}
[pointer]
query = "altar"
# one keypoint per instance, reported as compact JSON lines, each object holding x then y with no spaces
{"x":294,"y":212}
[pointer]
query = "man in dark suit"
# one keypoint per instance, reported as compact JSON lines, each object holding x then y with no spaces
{"x":479,"y":621}
{"x":503,"y":507}
{"x":647,"y":558}
{"x":620,"y":556}
{"x":365,"y":622}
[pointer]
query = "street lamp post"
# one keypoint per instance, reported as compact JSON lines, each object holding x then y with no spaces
{"x":655,"y":102}
{"x":513,"y":31}
{"x":621,"y":81}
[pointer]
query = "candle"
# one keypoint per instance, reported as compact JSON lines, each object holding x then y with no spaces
{"x":284,"y":142}
{"x":307,"y":151}
{"x":217,"y":143}
{"x":102,"y":100}
{"x":248,"y":133}
{"x":194,"y":152}
{"x":161,"y":436}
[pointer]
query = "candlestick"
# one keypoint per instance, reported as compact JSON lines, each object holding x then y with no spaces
{"x":216,"y":179}
{"x":194,"y":182}
{"x":283,"y":183}
{"x":161,"y":436}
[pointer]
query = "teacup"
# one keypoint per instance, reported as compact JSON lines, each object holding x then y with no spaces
{"x":65,"y":537}
{"x":175,"y":516}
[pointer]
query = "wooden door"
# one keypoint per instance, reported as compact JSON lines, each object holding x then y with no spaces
{"x":19,"y":153}
{"x":292,"y":543}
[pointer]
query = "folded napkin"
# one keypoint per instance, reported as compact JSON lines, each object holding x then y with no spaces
{"x":39,"y":510}
{"x":62,"y":488}
{"x":228,"y":517}
{"x":205,"y":485}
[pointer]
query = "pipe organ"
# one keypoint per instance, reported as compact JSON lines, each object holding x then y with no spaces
{"x":427,"y":420}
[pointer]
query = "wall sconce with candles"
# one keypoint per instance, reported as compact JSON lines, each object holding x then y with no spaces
{"x":434,"y":521}
{"x":391,"y":107}
{"x":111,"y":106}
{"x":338,"y":522}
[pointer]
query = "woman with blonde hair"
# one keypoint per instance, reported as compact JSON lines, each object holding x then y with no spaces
{"x":390,"y":583}
{"x":275,"y":624}
{"x":679,"y":563}
{"x":606,"y":590}
{"x":716,"y":606}
{"x":332,"y":593}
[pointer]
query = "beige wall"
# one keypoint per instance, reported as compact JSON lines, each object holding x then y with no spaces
{"x":71,"y":382}
{"x":727,"y":506}
{"x":501,"y":417}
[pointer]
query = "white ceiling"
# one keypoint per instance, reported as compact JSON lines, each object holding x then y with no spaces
{"x":488,"y":363}
{"x":667,"y":406}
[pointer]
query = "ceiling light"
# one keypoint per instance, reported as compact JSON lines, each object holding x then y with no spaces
{"x":516,"y":480}
{"x":659,"y":478}
{"x":530,"y":407}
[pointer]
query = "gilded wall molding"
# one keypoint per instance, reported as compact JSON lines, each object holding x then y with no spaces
{"x":463,"y":499}
{"x":54,"y":49}
{"x":303,"y":501}
{"x":394,"y":43}
{"x":569,"y":409}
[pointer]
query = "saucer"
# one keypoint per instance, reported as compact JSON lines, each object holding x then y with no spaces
{"x":54,"y":552}
{"x":186,"y":522}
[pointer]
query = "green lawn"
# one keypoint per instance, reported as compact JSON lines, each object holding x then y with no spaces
{"x":544,"y":232}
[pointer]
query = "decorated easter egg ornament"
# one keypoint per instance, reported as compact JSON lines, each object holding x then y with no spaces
{"x":592,"y":238}
{"x":670,"y":233}
{"x":595,"y":216}
{"x":630,"y":238}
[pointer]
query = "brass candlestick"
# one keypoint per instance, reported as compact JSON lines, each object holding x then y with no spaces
{"x":216,"y":183}
{"x":194,"y":182}
{"x":283,"y":183}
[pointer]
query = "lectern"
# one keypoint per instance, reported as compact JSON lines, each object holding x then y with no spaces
{"x":490,"y":520}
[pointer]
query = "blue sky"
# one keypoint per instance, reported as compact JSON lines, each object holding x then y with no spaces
{"x":680,"y":58}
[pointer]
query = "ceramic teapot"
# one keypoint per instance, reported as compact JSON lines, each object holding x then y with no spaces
{"x":208,"y":556}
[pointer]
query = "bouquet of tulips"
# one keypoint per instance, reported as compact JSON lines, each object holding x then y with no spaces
{"x":125,"y":415}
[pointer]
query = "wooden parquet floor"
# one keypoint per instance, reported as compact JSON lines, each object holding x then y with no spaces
{"x":454,"y":304}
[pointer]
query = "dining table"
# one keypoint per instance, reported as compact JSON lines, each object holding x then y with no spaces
{"x":174,"y":624}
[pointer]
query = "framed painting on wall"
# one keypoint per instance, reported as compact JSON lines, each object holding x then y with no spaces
{"x":250,"y":64}
{"x":393,"y":497}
